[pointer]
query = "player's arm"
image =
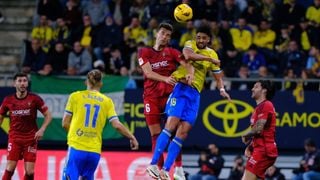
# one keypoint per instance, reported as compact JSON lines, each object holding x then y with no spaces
{"x":147,"y":70}
{"x":47,"y":119}
{"x":218,"y":77}
{"x":189,"y":54}
{"x":117,"y":125}
{"x":255,"y":130}
{"x":1,"y":119}
{"x":66,"y":121}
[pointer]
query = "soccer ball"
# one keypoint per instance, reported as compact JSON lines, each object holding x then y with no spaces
{"x":183,"y":13}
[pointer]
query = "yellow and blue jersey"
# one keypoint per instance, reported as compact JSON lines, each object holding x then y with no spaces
{"x":90,"y":111}
{"x":200,"y":67}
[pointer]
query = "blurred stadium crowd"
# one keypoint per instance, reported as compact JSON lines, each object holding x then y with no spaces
{"x":254,"y":38}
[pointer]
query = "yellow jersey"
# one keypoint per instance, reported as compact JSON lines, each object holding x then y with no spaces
{"x":200,"y":67}
{"x":90,"y":111}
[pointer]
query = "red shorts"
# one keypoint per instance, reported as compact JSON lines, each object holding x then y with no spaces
{"x":154,"y":109}
{"x":259,"y":162}
{"x":22,"y":149}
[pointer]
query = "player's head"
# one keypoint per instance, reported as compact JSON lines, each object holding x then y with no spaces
{"x":21,"y":82}
{"x":203,"y":36}
{"x":94,"y":79}
{"x":164,"y":33}
{"x":263,"y":89}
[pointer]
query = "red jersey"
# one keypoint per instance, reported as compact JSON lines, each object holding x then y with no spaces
{"x":163,"y":62}
{"x":266,"y":140}
{"x":23,"y":114}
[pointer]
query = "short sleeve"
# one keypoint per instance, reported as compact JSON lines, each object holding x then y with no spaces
{"x":70,"y":104}
{"x":3,"y":107}
{"x":188,"y":44}
{"x":111,"y":112}
{"x":142,"y":56}
{"x":41,"y":106}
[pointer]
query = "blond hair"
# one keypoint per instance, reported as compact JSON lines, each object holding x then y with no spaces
{"x":94,"y":78}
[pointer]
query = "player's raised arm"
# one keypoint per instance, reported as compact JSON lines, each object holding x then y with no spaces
{"x":116,"y":124}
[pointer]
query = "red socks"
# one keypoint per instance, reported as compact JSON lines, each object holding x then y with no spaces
{"x":7,"y":175}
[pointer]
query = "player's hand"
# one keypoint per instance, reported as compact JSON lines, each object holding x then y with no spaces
{"x":189,"y":78}
{"x":170,"y":80}
{"x":224,"y":94}
{"x":245,"y":140}
{"x":39,"y":134}
{"x":134,"y":145}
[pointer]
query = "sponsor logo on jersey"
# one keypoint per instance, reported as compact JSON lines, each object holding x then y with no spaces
{"x":21,"y":112}
{"x":160,"y":64}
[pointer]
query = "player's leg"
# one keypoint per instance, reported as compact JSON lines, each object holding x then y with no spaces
{"x":152,"y":110}
{"x":71,"y":170}
{"x":29,"y":170}
{"x":29,"y":156}
{"x":164,"y":138}
{"x":176,"y":144}
{"x":91,"y":165}
{"x":14,"y":154}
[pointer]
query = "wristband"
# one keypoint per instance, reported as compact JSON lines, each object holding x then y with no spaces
{"x":222,"y":89}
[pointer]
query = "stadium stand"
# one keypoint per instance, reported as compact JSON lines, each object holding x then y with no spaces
{"x":285,"y":163}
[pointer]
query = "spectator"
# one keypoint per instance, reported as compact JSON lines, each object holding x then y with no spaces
{"x":162,"y":9}
{"x":253,"y":59}
{"x":117,"y":62}
{"x":134,"y":33}
{"x":208,"y":9}
{"x":269,"y":10}
{"x":79,"y":60}
{"x":188,"y":34}
{"x":61,"y":33}
{"x":241,"y":35}
{"x":210,"y":164}
{"x":96,"y":9}
{"x":293,"y":58}
{"x":120,"y":9}
{"x":308,"y":160}
{"x":289,"y":77}
{"x":151,"y":32}
{"x":57,"y":61}
{"x":83,"y":33}
{"x":135,"y":69}
{"x":107,"y":35}
{"x":216,"y":40}
{"x":314,"y":55}
{"x":229,"y":11}
{"x":309,"y":86}
{"x":72,"y":14}
{"x":237,"y":169}
{"x":263,"y":72}
{"x":140,"y":8}
{"x":315,"y":70}
{"x":34,"y":58}
{"x":243,"y":74}
{"x":99,"y":64}
{"x":273,"y":173}
{"x":43,"y":32}
{"x":52,"y":9}
{"x":313,"y":12}
{"x":252,"y":15}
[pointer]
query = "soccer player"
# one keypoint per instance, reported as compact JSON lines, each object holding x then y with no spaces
{"x":262,"y":149}
{"x":86,"y":114}
{"x":183,"y":103}
{"x":158,"y":63}
{"x":24,"y":133}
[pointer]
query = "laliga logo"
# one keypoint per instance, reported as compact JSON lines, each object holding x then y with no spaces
{"x":229,"y":114}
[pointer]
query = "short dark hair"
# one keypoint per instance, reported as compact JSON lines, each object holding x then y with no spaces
{"x":166,"y":25}
{"x":20,"y":74}
{"x":309,"y":142}
{"x":204,"y":29}
{"x":269,"y":86}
